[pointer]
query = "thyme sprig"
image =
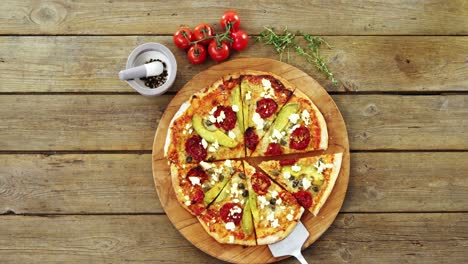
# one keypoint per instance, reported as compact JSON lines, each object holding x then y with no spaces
{"x":287,"y":41}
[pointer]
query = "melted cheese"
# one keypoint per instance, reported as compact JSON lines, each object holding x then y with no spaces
{"x":195,"y":180}
{"x":230,"y":226}
{"x":258,"y":121}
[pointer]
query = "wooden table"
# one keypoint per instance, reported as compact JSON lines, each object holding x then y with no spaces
{"x":75,"y":142}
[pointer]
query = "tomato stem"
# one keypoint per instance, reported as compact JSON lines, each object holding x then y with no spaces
{"x":219,"y":37}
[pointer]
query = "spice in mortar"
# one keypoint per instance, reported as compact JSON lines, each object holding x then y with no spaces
{"x":156,"y":81}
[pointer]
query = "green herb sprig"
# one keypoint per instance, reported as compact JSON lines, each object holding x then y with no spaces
{"x":287,"y":41}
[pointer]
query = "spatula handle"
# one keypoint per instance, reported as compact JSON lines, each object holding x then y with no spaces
{"x":299,"y":257}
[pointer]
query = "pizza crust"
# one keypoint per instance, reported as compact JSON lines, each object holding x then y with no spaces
{"x":333,"y":176}
{"x":175,"y":171}
{"x":183,"y":108}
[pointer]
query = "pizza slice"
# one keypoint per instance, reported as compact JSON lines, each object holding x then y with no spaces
{"x":197,"y":185}
{"x":275,"y":211}
{"x":209,"y":126}
{"x":263,"y":95}
{"x":228,"y":219}
{"x":299,"y":127}
{"x":310,"y":179}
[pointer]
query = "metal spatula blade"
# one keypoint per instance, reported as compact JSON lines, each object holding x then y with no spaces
{"x":291,"y":245}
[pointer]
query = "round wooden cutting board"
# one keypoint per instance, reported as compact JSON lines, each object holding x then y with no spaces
{"x":187,"y":224}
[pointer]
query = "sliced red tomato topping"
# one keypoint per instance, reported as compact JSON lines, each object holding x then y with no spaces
{"x":197,"y":209}
{"x":229,"y":117}
{"x":260,"y":183}
{"x":300,"y":138}
{"x":287,"y":197}
{"x":250,"y":138}
{"x":274,"y":149}
{"x":287,"y":162}
{"x":194,"y":147}
{"x":231,"y":212}
{"x":197,"y":172}
{"x":266,"y":107}
{"x":304,"y":198}
{"x":198,"y":196}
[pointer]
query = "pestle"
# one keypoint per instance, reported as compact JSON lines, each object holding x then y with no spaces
{"x":146,"y":70}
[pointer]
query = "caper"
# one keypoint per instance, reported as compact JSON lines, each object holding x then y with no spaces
{"x":272,"y":201}
{"x":272,"y":206}
{"x":188,"y":159}
{"x":242,"y":175}
{"x":210,"y":159}
{"x":208,"y":122}
{"x":266,"y":126}
{"x":283,"y":142}
{"x":295,"y":183}
{"x":210,"y":171}
{"x":231,"y":171}
{"x":241,"y":186}
{"x":245,"y":193}
{"x":206,"y":188}
{"x":275,"y":172}
{"x":292,"y":178}
{"x":221,"y":177}
{"x":316,"y":189}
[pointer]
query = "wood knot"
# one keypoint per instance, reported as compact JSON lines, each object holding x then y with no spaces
{"x":371,"y":110}
{"x":345,"y":254}
{"x":48,"y":13}
{"x":371,"y":193}
{"x":348,"y":220}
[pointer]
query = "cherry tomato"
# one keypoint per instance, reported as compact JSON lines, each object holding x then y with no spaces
{"x":194,"y":147}
{"x":273,"y":149}
{"x":230,"y":118}
{"x":203,"y":31}
{"x":266,"y":107}
{"x":260,"y":183}
{"x":251,"y":139}
{"x":182,"y":37}
{"x":240,"y":40}
{"x":304,"y":198}
{"x":286,"y":162}
{"x":300,"y":138}
{"x":218,"y":52}
{"x":197,"y":172}
{"x":230,"y":17}
{"x":231,"y":212}
{"x":198,"y":196}
{"x":197,"y":54}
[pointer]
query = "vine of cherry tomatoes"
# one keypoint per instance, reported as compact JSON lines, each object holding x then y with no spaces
{"x":203,"y":40}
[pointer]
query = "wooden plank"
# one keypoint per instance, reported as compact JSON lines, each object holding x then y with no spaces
{"x":128,"y":122}
{"x":122,"y":183}
{"x":369,"y":17}
{"x":88,"y":64}
{"x":77,"y":183}
{"x":356,"y":238}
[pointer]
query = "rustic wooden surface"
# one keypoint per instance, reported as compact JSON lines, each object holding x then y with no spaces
{"x":75,"y":143}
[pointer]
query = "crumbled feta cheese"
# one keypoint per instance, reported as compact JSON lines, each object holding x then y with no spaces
{"x":292,"y":211}
{"x":204,"y":143}
{"x":248,"y":95}
{"x":276,"y":134}
{"x":190,"y":130}
{"x":268,"y":91}
{"x":322,"y":166}
{"x":275,"y":223}
{"x":213,"y":110}
{"x":258,"y":120}
{"x":294,"y":118}
{"x":195,"y":180}
{"x":231,"y":134}
{"x":221,"y":117}
{"x":279,"y":201}
{"x":216,"y":144}
{"x":183,"y":166}
{"x":274,"y":194}
{"x":271,"y":216}
{"x":262,"y":200}
{"x":266,"y":84}
{"x":230,"y":226}
{"x":187,"y":203}
{"x":187,"y":198}
{"x":286,"y":174}
{"x":231,"y":239}
{"x":306,"y":183}
{"x":211,"y":149}
{"x":235,"y":210}
{"x":296,"y":168}
{"x":305,"y":116}
{"x":235,"y":200}
{"x":235,"y":108}
{"x":179,"y":190}
{"x":205,"y":165}
{"x":184,"y":132}
{"x":212,"y":119}
{"x":188,"y":125}
{"x":293,"y":128}
{"x":227,"y":163}
{"x":289,"y":217}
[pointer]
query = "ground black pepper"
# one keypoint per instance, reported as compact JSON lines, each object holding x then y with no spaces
{"x":156,"y":81}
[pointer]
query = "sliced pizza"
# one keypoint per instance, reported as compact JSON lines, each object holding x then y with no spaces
{"x":263,"y":95}
{"x":299,"y":127}
{"x":275,"y":211}
{"x":310,"y":179}
{"x":228,"y":219}
{"x":209,"y":126}
{"x":197,"y":185}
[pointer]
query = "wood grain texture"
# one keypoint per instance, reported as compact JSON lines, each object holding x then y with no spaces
{"x":369,"y":17}
{"x":91,"y":64}
{"x":128,"y":122}
{"x":353,"y":238}
{"x":77,"y":184}
{"x":122,"y":183}
{"x":338,"y":142}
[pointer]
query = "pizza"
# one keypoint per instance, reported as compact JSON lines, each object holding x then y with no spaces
{"x":263,"y":96}
{"x":209,"y":126}
{"x":197,"y":185}
{"x":275,"y":211}
{"x":249,"y":114}
{"x":229,"y":218}
{"x":299,"y":127}
{"x":309,"y":179}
